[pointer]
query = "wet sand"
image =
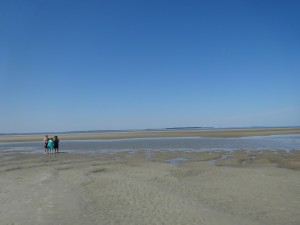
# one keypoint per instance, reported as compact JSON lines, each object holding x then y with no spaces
{"x":170,"y":188}
{"x":156,"y":134}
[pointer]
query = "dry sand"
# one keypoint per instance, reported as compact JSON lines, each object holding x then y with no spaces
{"x":155,"y":134}
{"x":211,"y":188}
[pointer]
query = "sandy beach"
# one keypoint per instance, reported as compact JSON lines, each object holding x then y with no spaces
{"x":257,"y":187}
{"x":159,"y":187}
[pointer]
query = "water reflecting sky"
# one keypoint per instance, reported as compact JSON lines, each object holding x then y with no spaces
{"x":273,"y":142}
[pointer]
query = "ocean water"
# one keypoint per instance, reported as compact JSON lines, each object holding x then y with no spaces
{"x":273,"y":142}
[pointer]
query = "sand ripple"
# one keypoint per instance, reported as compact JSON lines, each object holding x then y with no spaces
{"x":210,"y":188}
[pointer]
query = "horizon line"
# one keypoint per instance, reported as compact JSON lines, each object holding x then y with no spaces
{"x":145,"y":129}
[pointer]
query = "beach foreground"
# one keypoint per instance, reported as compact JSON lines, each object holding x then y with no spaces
{"x":211,"y":188}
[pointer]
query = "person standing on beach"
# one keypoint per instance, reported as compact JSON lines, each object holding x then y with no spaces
{"x":50,"y":145}
{"x":56,"y":141}
{"x":46,"y":139}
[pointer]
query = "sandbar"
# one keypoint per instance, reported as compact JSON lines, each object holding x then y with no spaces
{"x":222,"y":133}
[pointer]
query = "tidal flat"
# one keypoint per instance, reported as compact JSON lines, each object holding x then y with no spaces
{"x":212,"y":188}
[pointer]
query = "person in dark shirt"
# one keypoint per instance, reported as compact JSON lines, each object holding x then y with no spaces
{"x":56,"y":141}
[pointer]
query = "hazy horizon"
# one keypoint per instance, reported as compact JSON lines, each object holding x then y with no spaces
{"x":145,"y":129}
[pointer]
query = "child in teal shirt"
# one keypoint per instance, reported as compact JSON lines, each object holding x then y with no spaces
{"x":50,"y":145}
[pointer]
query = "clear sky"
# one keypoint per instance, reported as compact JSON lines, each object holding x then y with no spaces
{"x":135,"y":64}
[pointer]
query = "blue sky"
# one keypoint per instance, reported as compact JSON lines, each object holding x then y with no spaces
{"x":89,"y":65}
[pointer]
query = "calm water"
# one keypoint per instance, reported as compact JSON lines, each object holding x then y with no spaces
{"x":273,"y":142}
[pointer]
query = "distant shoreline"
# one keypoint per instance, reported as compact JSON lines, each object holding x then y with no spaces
{"x":178,"y":132}
{"x":145,"y":130}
